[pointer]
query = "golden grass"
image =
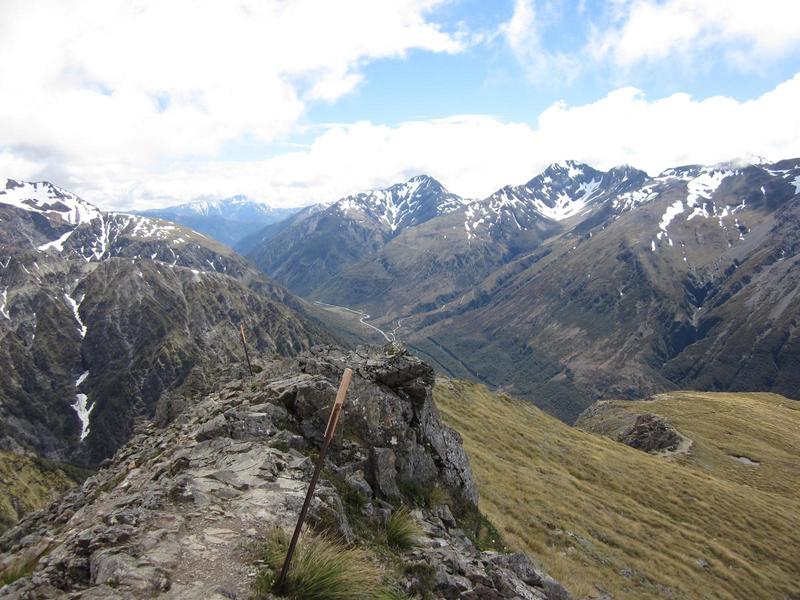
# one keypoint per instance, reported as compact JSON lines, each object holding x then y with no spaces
{"x":602,"y":516}
{"x":27,"y":485}
{"x":323,"y":568}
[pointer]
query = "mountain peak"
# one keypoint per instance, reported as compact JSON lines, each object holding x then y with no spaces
{"x":570,"y":168}
{"x":49,"y":199}
{"x":401,"y":205}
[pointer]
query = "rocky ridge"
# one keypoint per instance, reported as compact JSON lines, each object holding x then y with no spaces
{"x":174,"y":512}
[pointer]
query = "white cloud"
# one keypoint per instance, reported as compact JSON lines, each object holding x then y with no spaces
{"x":133,"y":104}
{"x":745,"y":31}
{"x":132,"y":82}
{"x":630,"y":33}
{"x":19,"y":166}
{"x":474,"y":155}
{"x":523,"y":34}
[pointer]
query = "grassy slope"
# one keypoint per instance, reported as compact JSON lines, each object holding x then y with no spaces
{"x":603,"y":516}
{"x":27,"y":484}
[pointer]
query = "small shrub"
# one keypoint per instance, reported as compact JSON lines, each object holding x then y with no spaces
{"x":392,"y":594}
{"x":402,"y":530}
{"x":424,"y":579}
{"x":22,"y":567}
{"x":323,"y":568}
{"x":480,"y":530}
{"x":438,"y":495}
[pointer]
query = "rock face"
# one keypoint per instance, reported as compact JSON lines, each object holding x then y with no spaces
{"x":651,"y":434}
{"x":176,"y":508}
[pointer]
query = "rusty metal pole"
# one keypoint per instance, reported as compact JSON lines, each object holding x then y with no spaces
{"x":330,"y":430}
{"x":244,"y":345}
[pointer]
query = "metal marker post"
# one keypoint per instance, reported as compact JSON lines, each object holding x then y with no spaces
{"x":244,"y":345}
{"x":330,"y":429}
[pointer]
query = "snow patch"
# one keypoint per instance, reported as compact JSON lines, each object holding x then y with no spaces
{"x":57,"y":244}
{"x":3,"y":309}
{"x":673,"y":210}
{"x":82,"y":407}
{"x":75,"y":306}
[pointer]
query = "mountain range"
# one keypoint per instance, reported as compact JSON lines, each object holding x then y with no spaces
{"x":102,"y":313}
{"x":228,"y":220}
{"x":120,"y":351}
{"x":579,"y":285}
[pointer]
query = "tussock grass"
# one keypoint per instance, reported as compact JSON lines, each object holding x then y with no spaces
{"x":323,"y":568}
{"x":602,"y":516}
{"x":402,"y":530}
{"x":17,"y":571}
{"x":28,"y":484}
{"x":23,"y":566}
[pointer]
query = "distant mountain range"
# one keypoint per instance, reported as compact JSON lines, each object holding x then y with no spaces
{"x":227,"y":221}
{"x":102,"y":314}
{"x":580,"y":284}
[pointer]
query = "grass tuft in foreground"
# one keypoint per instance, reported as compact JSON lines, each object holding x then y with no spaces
{"x":402,"y":530}
{"x":323,"y":568}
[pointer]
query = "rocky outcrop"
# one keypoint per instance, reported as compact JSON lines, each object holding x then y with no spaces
{"x":651,"y":433}
{"x":174,"y":512}
{"x":629,"y":424}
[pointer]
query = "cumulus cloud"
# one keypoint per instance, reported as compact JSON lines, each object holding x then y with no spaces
{"x":628,"y":33}
{"x":745,"y":31}
{"x":523,"y":34}
{"x":133,"y":82}
{"x":473,"y":155}
{"x":133,"y":104}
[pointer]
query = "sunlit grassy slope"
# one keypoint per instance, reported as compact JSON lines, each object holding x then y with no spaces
{"x":28,"y":484}
{"x":602,"y":516}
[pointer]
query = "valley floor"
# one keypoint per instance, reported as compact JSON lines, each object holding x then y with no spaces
{"x":604,"y":517}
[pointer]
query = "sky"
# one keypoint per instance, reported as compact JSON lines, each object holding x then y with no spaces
{"x":146,"y":103}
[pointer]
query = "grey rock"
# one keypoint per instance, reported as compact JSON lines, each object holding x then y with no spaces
{"x":359,"y":484}
{"x":383,"y":472}
{"x":444,"y":513}
{"x":214,"y":428}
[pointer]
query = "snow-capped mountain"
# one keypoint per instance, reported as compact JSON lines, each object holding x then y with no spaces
{"x":235,"y":206}
{"x":402,"y":205}
{"x":228,"y":220}
{"x":45,"y":198}
{"x":560,"y":192}
{"x":318,"y":243}
{"x":100,"y":313}
{"x":579,"y":284}
{"x":46,"y":218}
{"x":686,"y":279}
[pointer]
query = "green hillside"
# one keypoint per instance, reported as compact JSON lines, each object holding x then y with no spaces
{"x":28,"y":484}
{"x":602,"y":516}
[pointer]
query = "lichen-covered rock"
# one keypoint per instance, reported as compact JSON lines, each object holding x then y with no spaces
{"x":174,"y":512}
{"x":651,"y":433}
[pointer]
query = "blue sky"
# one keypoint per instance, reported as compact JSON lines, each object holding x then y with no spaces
{"x":139,"y":104}
{"x":488,"y":79}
